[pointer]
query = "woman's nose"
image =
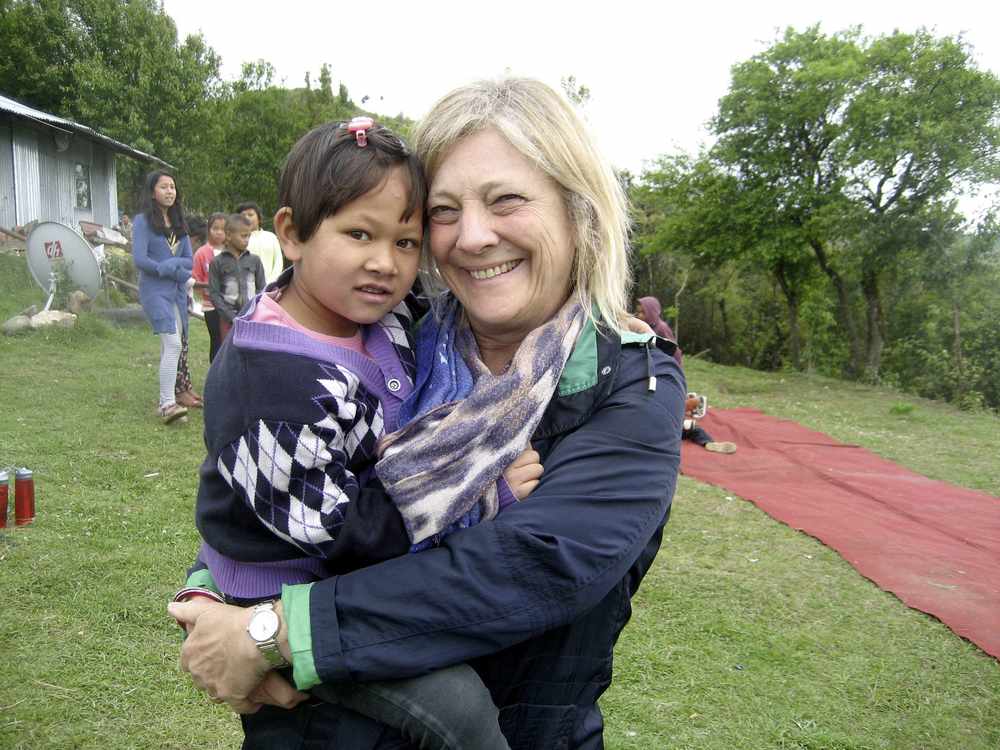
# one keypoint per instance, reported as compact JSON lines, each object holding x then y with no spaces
{"x":475,"y":229}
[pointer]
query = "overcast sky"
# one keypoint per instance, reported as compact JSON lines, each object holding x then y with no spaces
{"x":656,"y":70}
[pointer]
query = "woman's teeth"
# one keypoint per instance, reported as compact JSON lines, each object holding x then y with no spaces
{"x":489,"y":273}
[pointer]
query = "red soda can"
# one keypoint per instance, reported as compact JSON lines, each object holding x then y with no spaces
{"x":4,"y":496}
{"x":24,"y":497}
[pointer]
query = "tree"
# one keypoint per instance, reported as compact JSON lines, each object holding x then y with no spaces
{"x":697,"y":208}
{"x":577,"y":93}
{"x":864,"y":145}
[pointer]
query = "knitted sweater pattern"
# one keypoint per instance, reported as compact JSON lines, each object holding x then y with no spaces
{"x":291,"y":426}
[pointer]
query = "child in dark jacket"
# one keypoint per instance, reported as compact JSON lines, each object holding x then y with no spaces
{"x":235,"y":275}
{"x":313,"y":376}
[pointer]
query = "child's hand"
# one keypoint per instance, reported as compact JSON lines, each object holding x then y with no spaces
{"x":522,"y":476}
{"x":635,"y":325}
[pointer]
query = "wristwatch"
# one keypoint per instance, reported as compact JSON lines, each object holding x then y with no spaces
{"x":263,"y":629}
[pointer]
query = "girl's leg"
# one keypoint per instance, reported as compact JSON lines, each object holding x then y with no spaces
{"x":182,"y":383}
{"x":183,"y":390}
{"x":449,"y":709}
{"x":170,"y":353}
{"x":214,"y":337}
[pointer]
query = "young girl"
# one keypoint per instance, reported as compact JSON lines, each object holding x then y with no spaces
{"x":216,"y":237}
{"x":161,"y":250}
{"x":311,"y":377}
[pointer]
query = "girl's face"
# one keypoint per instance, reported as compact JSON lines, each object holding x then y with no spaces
{"x":359,"y":263}
{"x":253,"y":217}
{"x":217,"y":233}
{"x":165,"y":192}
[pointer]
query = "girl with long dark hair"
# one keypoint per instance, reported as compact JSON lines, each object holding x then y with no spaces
{"x":161,"y":249}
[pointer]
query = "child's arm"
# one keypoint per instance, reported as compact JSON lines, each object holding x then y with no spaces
{"x":199,"y":270}
{"x":215,"y":291}
{"x":296,"y":480}
{"x":523,"y":475}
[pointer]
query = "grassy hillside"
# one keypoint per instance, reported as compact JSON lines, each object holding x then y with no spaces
{"x":746,"y":634}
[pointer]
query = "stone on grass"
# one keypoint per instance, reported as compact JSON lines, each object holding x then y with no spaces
{"x":17,"y":324}
{"x":53,"y":318}
{"x":78,"y":302}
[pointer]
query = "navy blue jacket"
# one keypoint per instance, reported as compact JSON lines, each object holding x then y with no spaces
{"x":535,"y":599}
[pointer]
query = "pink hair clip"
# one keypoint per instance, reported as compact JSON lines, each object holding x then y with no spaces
{"x":359,"y":126}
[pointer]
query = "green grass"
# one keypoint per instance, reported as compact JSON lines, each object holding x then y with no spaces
{"x":745,"y":634}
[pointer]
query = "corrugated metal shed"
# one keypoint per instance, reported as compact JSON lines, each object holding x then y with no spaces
{"x":27,"y":183}
{"x":8,"y":206}
{"x":29,"y":113}
{"x":54,"y":169}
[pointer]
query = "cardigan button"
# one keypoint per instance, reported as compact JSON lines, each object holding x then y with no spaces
{"x":393,"y":384}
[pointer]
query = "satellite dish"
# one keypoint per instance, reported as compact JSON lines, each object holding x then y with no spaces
{"x":51,"y":244}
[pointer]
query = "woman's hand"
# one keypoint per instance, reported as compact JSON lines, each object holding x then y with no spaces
{"x":220,"y":655}
{"x":523,"y":475}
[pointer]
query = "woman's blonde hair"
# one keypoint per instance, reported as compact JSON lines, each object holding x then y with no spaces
{"x":543,"y":127}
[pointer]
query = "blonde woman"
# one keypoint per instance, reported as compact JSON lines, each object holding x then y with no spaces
{"x":527,"y":251}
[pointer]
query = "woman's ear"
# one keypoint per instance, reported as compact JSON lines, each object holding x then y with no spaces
{"x":288,"y":238}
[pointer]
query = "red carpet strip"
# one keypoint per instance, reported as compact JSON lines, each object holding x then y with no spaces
{"x":934,"y":545}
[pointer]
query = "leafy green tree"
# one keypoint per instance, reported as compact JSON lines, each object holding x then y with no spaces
{"x":40,"y":44}
{"x":717,"y":218}
{"x":864,"y":144}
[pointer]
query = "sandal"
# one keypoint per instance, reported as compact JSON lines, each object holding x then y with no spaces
{"x":172,"y":412}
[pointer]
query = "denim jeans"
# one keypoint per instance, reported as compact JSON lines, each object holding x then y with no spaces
{"x":449,"y":709}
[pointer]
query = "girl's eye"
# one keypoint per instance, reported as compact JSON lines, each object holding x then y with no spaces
{"x":360,"y":234}
{"x":408,"y":244}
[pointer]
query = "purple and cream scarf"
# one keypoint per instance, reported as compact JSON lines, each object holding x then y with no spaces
{"x":463,"y":424}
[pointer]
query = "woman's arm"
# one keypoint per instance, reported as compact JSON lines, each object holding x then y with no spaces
{"x":540,"y":564}
{"x":142,"y":236}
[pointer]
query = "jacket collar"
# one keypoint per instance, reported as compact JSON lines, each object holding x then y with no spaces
{"x":585,"y":382}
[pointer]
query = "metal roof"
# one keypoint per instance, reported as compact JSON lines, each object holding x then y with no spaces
{"x":59,"y":123}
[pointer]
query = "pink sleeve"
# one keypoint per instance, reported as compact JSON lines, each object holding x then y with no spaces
{"x":202,"y":259}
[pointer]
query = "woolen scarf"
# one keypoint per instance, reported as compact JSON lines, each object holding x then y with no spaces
{"x":466,"y":425}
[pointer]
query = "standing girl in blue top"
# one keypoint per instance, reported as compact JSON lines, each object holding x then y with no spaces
{"x":161,"y":249}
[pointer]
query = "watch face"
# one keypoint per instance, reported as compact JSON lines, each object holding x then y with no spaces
{"x":263,"y":625}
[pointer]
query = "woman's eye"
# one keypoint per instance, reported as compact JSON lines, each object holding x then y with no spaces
{"x":360,"y":234}
{"x":508,"y":202}
{"x":443,"y":214}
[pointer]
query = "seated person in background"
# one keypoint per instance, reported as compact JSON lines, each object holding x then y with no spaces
{"x":648,"y":310}
{"x":235,"y":275}
{"x":695,"y":407}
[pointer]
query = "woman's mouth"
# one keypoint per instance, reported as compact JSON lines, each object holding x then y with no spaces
{"x":481,"y":274}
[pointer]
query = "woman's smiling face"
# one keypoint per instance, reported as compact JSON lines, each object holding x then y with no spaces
{"x":165,"y":192}
{"x":501,"y":236}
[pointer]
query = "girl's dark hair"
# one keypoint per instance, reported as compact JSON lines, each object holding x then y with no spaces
{"x":152,"y":210}
{"x":256,"y":209}
{"x":327,"y":169}
{"x":218,"y":215}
